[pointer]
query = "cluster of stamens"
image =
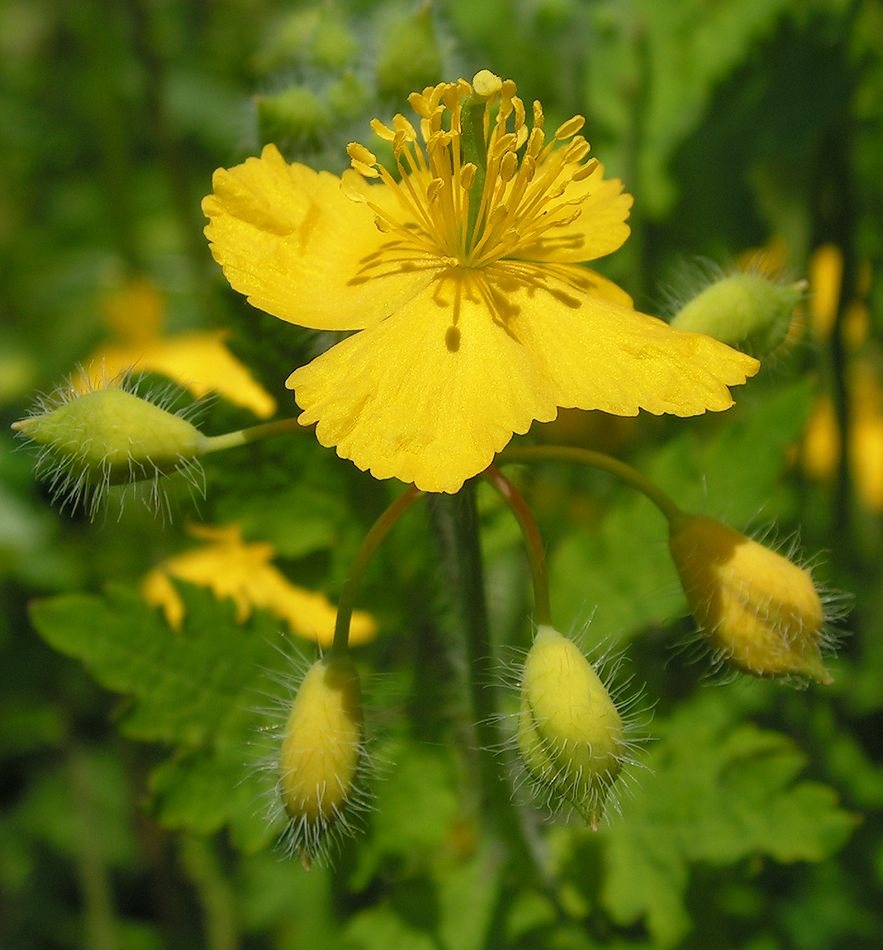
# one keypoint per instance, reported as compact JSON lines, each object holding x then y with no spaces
{"x":481,"y":185}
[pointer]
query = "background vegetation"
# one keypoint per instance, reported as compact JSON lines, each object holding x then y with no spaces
{"x":130,"y":788}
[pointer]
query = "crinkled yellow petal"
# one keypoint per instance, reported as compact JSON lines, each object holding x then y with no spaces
{"x":198,"y":361}
{"x":599,"y":230}
{"x":300,"y":248}
{"x":431,"y":394}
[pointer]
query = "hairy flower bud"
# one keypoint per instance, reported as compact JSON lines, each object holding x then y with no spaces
{"x":571,"y":737}
{"x":410,"y":56}
{"x":745,"y":310}
{"x":108,"y":437}
{"x":758,"y":610}
{"x":321,"y":754}
{"x":295,"y":116}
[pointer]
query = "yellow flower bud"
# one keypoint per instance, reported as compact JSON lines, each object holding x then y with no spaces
{"x":758,"y":610}
{"x":321,"y":755}
{"x":108,"y":437}
{"x":571,"y":736}
{"x":744,"y":310}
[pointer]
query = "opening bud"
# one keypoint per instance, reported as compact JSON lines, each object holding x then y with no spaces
{"x":321,"y":755}
{"x":571,"y":737}
{"x":744,"y":310}
{"x":757,"y":609}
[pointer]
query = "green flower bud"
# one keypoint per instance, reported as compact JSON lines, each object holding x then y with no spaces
{"x":411,"y":57}
{"x":295,"y":116}
{"x":317,"y":36}
{"x":108,"y":437}
{"x":746,"y":311}
{"x":347,"y":98}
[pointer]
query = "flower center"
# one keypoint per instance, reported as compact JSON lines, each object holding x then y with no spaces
{"x":480,"y":185}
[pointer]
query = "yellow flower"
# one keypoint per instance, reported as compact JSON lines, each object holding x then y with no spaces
{"x":461,"y":276}
{"x":243,"y":572}
{"x":198,"y":360}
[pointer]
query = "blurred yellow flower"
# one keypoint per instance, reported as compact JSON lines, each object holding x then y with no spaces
{"x":822,"y":445}
{"x":825,"y":279}
{"x":198,"y":360}
{"x":242,"y":571}
{"x":461,"y":276}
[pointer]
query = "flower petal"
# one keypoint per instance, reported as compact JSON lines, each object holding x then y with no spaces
{"x":299,"y":248}
{"x":199,"y":361}
{"x":430,"y":395}
{"x":599,"y":230}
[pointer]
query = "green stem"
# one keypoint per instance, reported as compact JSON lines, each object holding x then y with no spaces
{"x":94,"y":877}
{"x":213,"y":891}
{"x":535,"y":548}
{"x":378,"y":532}
{"x":232,"y":440}
{"x":455,"y":519}
{"x":625,"y":473}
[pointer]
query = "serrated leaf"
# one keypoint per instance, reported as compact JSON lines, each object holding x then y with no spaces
{"x":716,"y":793}
{"x":199,"y":689}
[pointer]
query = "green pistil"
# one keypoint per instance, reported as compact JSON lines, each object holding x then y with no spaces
{"x":473,"y":148}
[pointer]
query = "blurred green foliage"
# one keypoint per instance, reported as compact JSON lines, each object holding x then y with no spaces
{"x":132,"y":794}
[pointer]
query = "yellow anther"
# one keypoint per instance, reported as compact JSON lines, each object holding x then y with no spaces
{"x":570,"y":127}
{"x":577,"y":150}
{"x":581,"y":174}
{"x":433,"y":188}
{"x":505,"y":143}
{"x":403,"y":126}
{"x":420,"y":104}
{"x":467,"y":175}
{"x":538,"y":117}
{"x":358,"y":153}
{"x":486,"y":84}
{"x":535,"y":142}
{"x":528,"y":167}
{"x":382,"y":131}
{"x":508,"y":166}
{"x":363,"y":160}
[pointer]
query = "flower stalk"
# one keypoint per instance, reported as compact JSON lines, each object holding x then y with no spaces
{"x":625,"y":473}
{"x":533,"y":539}
{"x":375,"y":536}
